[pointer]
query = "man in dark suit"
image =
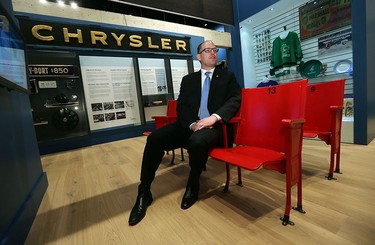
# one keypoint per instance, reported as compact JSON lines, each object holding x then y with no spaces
{"x":196,"y":128}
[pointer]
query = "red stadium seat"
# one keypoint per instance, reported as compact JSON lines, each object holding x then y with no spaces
{"x":324,"y":105}
{"x":269,"y":135}
{"x":161,"y":121}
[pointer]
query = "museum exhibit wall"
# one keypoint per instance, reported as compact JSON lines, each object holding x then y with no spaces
{"x":224,"y":39}
{"x":85,"y":126}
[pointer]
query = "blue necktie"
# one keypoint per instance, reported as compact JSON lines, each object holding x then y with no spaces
{"x":206,"y":88}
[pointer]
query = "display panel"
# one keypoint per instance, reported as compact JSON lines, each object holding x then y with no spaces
{"x":179,"y":69}
{"x":12,"y":55}
{"x":110,"y":91}
{"x":153,"y":76}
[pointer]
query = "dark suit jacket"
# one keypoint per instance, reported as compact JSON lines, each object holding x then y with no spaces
{"x":224,"y":96}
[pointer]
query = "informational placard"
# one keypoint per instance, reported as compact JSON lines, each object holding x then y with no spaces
{"x":179,"y":69}
{"x":321,"y":16}
{"x":153,"y":76}
{"x":110,"y":91}
{"x":335,"y":42}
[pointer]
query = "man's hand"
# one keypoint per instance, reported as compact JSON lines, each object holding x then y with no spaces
{"x":207,"y":122}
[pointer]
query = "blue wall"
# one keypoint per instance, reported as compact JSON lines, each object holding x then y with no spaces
{"x":235,"y":54}
{"x":22,"y":180}
{"x":248,"y":8}
{"x":363,"y":67}
{"x":242,"y":9}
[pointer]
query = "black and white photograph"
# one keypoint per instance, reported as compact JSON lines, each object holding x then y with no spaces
{"x":108,"y":106}
{"x":98,"y":118}
{"x":121,"y":115}
{"x":119,"y":104}
{"x":110,"y":116}
{"x":96,"y":106}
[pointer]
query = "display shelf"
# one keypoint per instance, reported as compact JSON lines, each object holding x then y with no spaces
{"x":326,"y":78}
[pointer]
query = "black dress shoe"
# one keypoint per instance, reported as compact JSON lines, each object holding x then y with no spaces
{"x":190,"y":197}
{"x":139,"y":210}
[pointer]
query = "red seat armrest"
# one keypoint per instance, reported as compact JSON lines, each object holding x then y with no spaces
{"x":233,"y":120}
{"x":291,"y":123}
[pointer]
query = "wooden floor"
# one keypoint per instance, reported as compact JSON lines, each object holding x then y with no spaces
{"x":91,"y":191}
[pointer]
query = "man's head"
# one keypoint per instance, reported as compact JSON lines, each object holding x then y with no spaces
{"x":207,"y":54}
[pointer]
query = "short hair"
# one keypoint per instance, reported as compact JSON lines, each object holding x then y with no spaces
{"x":200,"y":45}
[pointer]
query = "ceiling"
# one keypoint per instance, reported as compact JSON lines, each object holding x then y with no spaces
{"x":110,"y":6}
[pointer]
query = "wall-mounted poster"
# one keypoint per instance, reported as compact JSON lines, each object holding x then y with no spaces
{"x":179,"y":69}
{"x":335,"y":42}
{"x":320,"y":16}
{"x":262,"y":46}
{"x":348,"y":111}
{"x":110,"y":91}
{"x":153,"y":76}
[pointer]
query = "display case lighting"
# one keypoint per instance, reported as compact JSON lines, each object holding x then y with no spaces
{"x":61,"y":3}
{"x":74,"y":5}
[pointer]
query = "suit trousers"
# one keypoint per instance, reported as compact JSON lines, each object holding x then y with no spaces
{"x":173,"y":136}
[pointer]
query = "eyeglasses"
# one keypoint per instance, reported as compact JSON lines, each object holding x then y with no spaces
{"x":209,"y":50}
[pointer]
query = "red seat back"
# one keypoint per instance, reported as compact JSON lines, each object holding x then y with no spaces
{"x":262,"y":110}
{"x":161,"y":121}
{"x":172,"y":108}
{"x":318,"y":101}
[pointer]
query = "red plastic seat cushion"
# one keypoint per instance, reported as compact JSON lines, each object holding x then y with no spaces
{"x":247,"y":157}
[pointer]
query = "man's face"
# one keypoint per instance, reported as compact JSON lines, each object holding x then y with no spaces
{"x":207,"y":55}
